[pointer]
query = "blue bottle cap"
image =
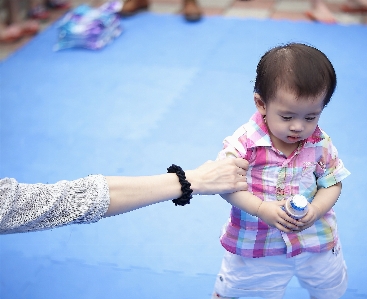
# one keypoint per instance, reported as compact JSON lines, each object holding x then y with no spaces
{"x":298,"y":202}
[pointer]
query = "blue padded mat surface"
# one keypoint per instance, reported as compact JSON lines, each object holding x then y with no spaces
{"x":164,"y":92}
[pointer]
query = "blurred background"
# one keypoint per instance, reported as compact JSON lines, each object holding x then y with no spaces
{"x":165,"y":91}
{"x":257,"y":9}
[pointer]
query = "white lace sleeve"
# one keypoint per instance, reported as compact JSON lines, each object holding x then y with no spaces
{"x":31,"y":207}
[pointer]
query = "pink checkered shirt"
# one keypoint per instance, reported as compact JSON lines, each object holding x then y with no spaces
{"x":273,"y":176}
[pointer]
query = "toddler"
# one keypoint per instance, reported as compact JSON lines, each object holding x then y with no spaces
{"x":288,"y":154}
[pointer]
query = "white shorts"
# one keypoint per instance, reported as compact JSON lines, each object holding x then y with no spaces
{"x":324,"y":275}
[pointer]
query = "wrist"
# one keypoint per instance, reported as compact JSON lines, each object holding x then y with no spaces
{"x":184,"y":199}
{"x":319,"y":213}
{"x":258,"y":209}
{"x":194,"y":181}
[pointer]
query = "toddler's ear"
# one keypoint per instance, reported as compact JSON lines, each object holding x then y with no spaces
{"x":260,"y":104}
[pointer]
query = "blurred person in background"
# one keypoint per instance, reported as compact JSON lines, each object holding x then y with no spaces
{"x":15,"y":26}
{"x":190,"y":9}
{"x":18,"y":24}
{"x":40,"y":9}
{"x":320,"y":11}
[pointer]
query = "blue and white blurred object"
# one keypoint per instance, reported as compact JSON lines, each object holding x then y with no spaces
{"x":88,"y":27}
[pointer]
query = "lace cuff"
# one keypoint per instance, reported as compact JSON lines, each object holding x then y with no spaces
{"x":32,"y":207}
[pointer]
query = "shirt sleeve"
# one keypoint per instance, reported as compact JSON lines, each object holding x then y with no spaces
{"x":33,"y":207}
{"x":330,"y":169}
{"x":234,"y":146}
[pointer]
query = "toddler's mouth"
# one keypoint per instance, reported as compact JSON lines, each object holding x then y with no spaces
{"x":294,"y":138}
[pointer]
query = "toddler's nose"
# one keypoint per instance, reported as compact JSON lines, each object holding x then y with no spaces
{"x":296,"y":127}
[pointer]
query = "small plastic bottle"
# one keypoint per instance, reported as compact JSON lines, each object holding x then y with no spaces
{"x":296,"y":206}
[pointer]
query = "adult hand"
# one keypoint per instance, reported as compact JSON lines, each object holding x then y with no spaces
{"x":219,"y":177}
{"x":271,"y":213}
{"x":131,"y":193}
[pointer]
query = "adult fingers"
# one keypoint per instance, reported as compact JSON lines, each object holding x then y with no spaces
{"x":241,"y":171}
{"x":241,"y":175}
{"x":241,"y":163}
{"x":240,"y":186}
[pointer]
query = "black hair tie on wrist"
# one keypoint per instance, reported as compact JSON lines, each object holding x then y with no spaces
{"x":185,"y":186}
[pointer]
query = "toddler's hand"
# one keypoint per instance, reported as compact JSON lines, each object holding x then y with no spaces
{"x":271,"y":213}
{"x":312,"y":215}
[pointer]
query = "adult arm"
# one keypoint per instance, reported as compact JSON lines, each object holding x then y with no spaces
{"x":130,"y":193}
{"x":32,"y":207}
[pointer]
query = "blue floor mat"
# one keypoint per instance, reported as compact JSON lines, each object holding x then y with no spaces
{"x":164,"y":92}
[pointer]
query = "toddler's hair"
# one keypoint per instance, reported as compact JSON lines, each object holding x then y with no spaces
{"x":299,"y":68}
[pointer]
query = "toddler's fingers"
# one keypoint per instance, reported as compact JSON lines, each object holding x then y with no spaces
{"x":303,"y":221}
{"x":287,"y":222}
{"x":306,"y":219}
{"x":287,"y":218}
{"x":282,"y":227}
{"x":291,"y":226}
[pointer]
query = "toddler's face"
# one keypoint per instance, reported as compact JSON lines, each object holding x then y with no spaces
{"x":289,"y":119}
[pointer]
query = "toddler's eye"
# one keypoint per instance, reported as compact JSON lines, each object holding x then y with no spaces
{"x":286,"y":117}
{"x":310,"y":118}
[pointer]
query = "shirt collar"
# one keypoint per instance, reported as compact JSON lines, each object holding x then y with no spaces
{"x":258,"y":133}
